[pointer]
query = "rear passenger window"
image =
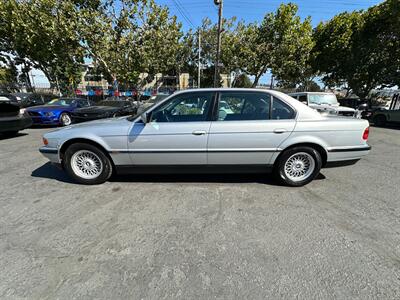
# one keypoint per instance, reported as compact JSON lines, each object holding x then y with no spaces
{"x":244,"y":106}
{"x":281,"y":111}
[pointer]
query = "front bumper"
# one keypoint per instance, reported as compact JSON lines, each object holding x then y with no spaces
{"x":44,"y":120}
{"x":15,"y":124}
{"x":51,"y":154}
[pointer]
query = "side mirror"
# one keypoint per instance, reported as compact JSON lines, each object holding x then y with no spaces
{"x":144,"y":117}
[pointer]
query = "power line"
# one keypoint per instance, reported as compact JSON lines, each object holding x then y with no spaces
{"x":182,"y":12}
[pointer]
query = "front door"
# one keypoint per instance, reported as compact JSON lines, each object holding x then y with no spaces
{"x":249,"y":128}
{"x":176,"y":133}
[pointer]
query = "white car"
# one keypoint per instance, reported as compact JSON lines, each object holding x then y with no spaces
{"x":263,"y":131}
{"x":325,"y":103}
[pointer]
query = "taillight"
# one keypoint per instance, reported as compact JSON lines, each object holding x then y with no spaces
{"x":45,"y":141}
{"x":366,"y":134}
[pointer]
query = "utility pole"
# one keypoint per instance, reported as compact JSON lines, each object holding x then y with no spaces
{"x":216,"y":71}
{"x":199,"y":70}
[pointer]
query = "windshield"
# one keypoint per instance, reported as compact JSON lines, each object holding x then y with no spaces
{"x":61,"y":102}
{"x":322,"y":99}
{"x":157,"y":98}
{"x":113,"y":103}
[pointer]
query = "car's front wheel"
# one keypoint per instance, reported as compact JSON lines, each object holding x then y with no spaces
{"x":298,"y":166}
{"x":87,"y":164}
{"x":65,"y":119}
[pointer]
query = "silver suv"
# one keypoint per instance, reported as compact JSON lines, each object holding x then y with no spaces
{"x":325,"y":103}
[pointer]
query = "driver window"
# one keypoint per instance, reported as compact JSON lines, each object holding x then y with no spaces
{"x":193,"y":107}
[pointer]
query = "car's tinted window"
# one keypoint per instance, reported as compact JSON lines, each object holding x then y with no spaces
{"x":302,"y":98}
{"x":83,"y":103}
{"x":281,"y":111}
{"x":234,"y":106}
{"x":190,"y":107}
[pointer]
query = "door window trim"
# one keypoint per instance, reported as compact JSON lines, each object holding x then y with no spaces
{"x":208,"y":114}
{"x":214,"y":114}
{"x":218,"y":99}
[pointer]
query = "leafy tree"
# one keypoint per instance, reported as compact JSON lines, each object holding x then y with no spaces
{"x":292,"y":45}
{"x":242,"y":81}
{"x":360,"y":49}
{"x":282,"y":43}
{"x":140,"y":37}
{"x":41,"y":34}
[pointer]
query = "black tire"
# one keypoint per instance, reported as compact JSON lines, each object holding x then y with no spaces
{"x":65,"y":119}
{"x":10,"y":134}
{"x":107,"y":167}
{"x":379,"y":120}
{"x":283,"y":177}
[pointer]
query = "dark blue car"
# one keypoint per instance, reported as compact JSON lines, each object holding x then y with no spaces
{"x":57,"y":111}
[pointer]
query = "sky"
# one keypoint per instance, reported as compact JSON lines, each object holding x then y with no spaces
{"x":191,"y":12}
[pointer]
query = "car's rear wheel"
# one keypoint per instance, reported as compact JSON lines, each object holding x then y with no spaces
{"x":87,"y":164}
{"x":298,"y":166}
{"x":379,"y":120}
{"x":65,"y":119}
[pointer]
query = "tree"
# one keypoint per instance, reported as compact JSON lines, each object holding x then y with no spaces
{"x":282,"y":43}
{"x":242,"y":81}
{"x":41,"y":34}
{"x":292,"y":45}
{"x":140,"y":38}
{"x":360,"y":49}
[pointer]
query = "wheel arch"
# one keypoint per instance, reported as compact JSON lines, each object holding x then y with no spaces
{"x":68,"y":143}
{"x":380,"y":114}
{"x":321,"y":150}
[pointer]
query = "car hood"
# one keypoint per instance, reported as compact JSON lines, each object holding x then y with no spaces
{"x":102,"y":127}
{"x":96,"y":109}
{"x":46,"y":108}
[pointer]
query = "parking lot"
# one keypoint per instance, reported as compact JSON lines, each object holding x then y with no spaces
{"x":192,"y":237}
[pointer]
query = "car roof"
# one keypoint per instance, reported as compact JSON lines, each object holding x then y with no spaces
{"x":303,"y":93}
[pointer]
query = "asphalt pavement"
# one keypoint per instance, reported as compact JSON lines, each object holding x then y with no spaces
{"x":199,"y":237}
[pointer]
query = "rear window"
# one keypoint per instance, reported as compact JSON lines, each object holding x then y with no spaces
{"x":281,"y":111}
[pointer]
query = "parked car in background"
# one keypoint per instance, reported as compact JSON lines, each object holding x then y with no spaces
{"x":152,"y":100}
{"x":262,"y":131}
{"x":361,"y":106}
{"x":392,"y":115}
{"x":12,"y":119}
{"x":8,"y":98}
{"x":325,"y":103}
{"x":31,"y":99}
{"x":57,"y":111}
{"x":104,"y":109}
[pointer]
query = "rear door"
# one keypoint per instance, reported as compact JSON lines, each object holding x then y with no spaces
{"x":176,"y":134}
{"x":248,"y":128}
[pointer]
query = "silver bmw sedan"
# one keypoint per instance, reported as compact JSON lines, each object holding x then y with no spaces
{"x":211,"y":130}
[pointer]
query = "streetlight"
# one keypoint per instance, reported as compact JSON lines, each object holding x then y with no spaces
{"x":219,"y":3}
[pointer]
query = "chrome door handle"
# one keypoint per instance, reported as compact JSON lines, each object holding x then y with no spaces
{"x":199,"y":132}
{"x":280,"y":130}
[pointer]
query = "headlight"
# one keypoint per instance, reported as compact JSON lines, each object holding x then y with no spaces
{"x":49,"y":114}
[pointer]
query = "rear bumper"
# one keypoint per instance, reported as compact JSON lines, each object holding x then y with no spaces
{"x":342,"y":156}
{"x":16,"y":124}
{"x":51,"y":154}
